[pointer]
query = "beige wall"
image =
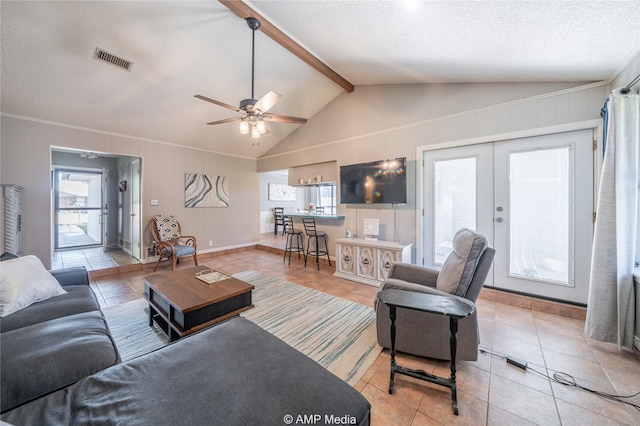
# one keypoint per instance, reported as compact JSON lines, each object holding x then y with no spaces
{"x":377,"y":122}
{"x":372,"y":123}
{"x":25,"y":157}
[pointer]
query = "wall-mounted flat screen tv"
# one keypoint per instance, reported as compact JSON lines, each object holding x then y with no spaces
{"x":377,"y":182}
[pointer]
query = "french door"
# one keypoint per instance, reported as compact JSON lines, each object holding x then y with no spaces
{"x":531,"y":197}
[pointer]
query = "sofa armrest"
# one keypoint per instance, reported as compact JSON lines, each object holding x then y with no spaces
{"x":414,"y":274}
{"x":76,"y":275}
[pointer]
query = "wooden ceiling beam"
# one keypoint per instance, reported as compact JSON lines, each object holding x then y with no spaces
{"x":244,"y":11}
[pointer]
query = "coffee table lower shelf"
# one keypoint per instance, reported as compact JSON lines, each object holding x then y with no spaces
{"x":174,"y":331}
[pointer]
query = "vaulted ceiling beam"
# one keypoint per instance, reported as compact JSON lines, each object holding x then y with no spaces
{"x":244,"y":11}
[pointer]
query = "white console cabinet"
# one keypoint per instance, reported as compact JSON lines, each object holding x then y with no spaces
{"x":368,"y":261}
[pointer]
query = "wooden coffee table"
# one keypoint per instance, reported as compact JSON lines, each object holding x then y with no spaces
{"x":181,"y":304}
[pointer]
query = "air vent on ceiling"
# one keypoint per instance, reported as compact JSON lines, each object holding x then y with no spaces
{"x":104,"y":56}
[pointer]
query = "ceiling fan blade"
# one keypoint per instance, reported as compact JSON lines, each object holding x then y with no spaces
{"x":284,"y":119}
{"x":226,"y":120}
{"x":267,"y":102}
{"x":213,"y":101}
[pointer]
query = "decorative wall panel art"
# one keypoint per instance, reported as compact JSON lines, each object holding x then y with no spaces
{"x":202,"y":190}
{"x":281,"y":192}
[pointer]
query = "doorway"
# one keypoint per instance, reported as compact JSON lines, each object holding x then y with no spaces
{"x":533,"y":199}
{"x":118,"y":242}
{"x":79,"y":208}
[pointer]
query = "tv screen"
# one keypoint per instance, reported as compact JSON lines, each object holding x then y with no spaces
{"x":377,"y":182}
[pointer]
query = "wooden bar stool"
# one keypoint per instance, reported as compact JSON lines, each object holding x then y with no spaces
{"x":291,"y":235}
{"x":311,"y":231}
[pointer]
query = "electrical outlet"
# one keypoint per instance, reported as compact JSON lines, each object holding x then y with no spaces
{"x":210,"y":243}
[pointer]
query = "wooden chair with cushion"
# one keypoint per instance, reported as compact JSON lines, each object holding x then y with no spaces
{"x":169,"y":241}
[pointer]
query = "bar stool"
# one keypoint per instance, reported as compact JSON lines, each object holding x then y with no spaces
{"x":311,"y":231}
{"x":291,"y":234}
{"x":278,"y":220}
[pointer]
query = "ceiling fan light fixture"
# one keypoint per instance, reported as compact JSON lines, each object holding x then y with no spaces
{"x":254,"y":111}
{"x":244,"y":127}
{"x":260,"y":125}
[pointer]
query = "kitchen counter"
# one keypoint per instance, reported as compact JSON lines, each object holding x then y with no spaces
{"x":314,"y":215}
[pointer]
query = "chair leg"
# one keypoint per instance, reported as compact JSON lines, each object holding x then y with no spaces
{"x":157,"y":264}
{"x":326,"y":249}
{"x":317,"y":254}
{"x":306,"y":255}
{"x":195,"y":258}
{"x":174,"y":261}
{"x":300,"y":241}
{"x":286,"y":247}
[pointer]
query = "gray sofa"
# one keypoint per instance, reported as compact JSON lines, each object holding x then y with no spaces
{"x":60,"y":366}
{"x":54,"y":343}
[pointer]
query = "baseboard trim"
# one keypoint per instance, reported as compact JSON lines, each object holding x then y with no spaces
{"x":534,"y":303}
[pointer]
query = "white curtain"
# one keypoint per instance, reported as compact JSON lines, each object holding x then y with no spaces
{"x":611,"y":305}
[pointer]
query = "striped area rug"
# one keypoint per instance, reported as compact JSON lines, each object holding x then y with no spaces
{"x":338,"y":334}
{"x":129,"y":326}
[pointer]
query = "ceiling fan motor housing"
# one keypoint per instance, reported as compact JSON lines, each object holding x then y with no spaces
{"x":248,"y":104}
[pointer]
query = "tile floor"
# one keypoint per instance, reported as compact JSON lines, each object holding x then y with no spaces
{"x":490,"y":391}
{"x":94,"y":258}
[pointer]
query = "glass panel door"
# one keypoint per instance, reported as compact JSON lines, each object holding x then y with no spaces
{"x":533,"y":200}
{"x":455,"y":202}
{"x":543,"y":225}
{"x":456,"y":180}
{"x":540,"y":205}
{"x":78,"y":204}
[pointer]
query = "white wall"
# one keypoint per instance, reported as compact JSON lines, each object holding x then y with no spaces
{"x":377,"y":122}
{"x":25,"y":156}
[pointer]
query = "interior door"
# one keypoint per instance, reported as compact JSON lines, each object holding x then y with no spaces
{"x":136,"y":250}
{"x":533,"y":200}
{"x":104,"y":216}
{"x":543,"y":227}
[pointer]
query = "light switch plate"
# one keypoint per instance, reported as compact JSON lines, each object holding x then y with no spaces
{"x":154,"y":202}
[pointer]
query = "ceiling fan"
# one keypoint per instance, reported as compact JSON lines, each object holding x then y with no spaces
{"x":254,"y":113}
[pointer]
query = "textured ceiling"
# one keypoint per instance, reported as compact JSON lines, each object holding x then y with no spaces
{"x":412,"y":41}
{"x":183,"y":48}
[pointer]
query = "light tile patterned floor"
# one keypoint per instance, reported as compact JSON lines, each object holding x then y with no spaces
{"x":490,"y":391}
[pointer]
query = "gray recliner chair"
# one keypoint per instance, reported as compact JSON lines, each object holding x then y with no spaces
{"x":462,"y":276}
